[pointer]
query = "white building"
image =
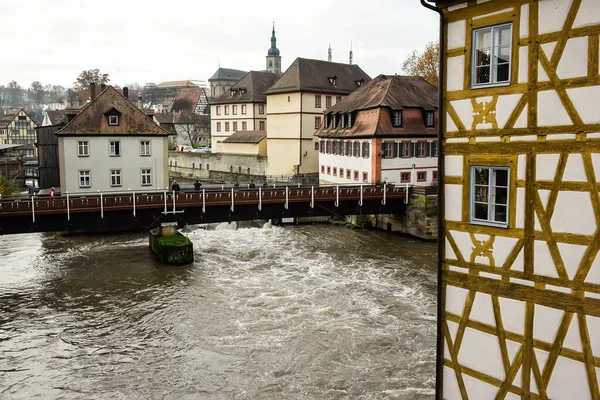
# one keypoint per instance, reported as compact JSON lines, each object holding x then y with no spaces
{"x":383,"y":131}
{"x":111,"y":145}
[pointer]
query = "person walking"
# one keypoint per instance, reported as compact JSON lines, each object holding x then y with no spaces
{"x":197,"y":185}
{"x":52,"y":192}
{"x":175,"y":187}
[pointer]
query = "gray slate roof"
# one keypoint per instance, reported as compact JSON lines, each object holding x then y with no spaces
{"x":314,"y":75}
{"x":246,"y":137}
{"x":249,"y":89}
{"x":227,"y":74}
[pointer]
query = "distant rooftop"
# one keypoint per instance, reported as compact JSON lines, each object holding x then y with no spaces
{"x":228,"y":74}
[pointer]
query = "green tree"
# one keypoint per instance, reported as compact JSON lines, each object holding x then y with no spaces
{"x":425,"y":64}
{"x":90,"y":76}
{"x":38,"y":93}
{"x":15,"y":94}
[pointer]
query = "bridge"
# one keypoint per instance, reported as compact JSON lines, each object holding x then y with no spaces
{"x":135,"y":211}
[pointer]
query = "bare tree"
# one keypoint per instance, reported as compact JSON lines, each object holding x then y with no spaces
{"x":424,"y":64}
{"x":71,"y":96}
{"x":195,"y":128}
{"x":89,"y":76}
{"x":14,"y":94}
{"x":38,"y":93}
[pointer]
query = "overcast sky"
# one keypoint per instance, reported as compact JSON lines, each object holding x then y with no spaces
{"x":161,"y":40}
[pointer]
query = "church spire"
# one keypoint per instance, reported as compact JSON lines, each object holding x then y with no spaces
{"x":273,"y":57}
{"x":329,"y":53}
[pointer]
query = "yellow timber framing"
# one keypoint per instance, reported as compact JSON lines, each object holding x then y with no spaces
{"x":473,"y":266}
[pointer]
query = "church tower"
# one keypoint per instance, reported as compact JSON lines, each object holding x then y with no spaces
{"x":273,"y":57}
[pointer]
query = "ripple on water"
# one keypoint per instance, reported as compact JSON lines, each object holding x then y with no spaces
{"x":264,"y":312}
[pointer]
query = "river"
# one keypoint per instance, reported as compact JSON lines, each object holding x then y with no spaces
{"x":265,"y":312}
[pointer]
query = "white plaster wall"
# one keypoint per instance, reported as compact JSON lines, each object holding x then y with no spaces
{"x":99,"y":162}
{"x":573,"y":63}
{"x":523,"y":64}
{"x":546,"y":165}
{"x":360,"y":164}
{"x":456,"y":73}
{"x":569,"y":218}
{"x":552,"y":15}
{"x":453,"y":206}
{"x":551,"y":112}
{"x":589,"y":14}
{"x":574,"y":170}
{"x":456,"y":34}
{"x":524,"y":22}
{"x":453,"y":165}
{"x":586,"y":102}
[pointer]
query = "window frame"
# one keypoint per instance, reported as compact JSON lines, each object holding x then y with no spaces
{"x":142,"y":147}
{"x":365,"y":177}
{"x":149,"y":183}
{"x":388,"y":147}
{"x":261,"y":109}
{"x":244,"y":125}
{"x":112,"y":153}
{"x":234,"y":126}
{"x":317,"y":101}
{"x":317,"y":122}
{"x":399,"y":112}
{"x":491,"y":195}
{"x":234,"y":109}
{"x":226,"y":126}
{"x":226,"y":109}
{"x":218,"y":109}
{"x":89,"y":176}
{"x":219,"y":126}
{"x":261,"y":126}
{"x":118,"y":175}
{"x":418,"y":176}
{"x":83,"y":144}
{"x":327,"y":101}
{"x":473,"y":67}
{"x":116,"y":120}
{"x":402,"y":180}
{"x":426,"y":116}
{"x":243,"y":109}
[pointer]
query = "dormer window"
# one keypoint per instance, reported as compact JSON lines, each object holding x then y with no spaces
{"x":332,"y":79}
{"x":429,"y":119}
{"x":242,"y":90}
{"x":397,"y":118}
{"x":360,"y":82}
{"x":327,"y":119}
{"x":232,"y":92}
{"x":113,"y":120}
{"x":342,"y":121}
{"x":335,"y":121}
{"x":349,"y":124}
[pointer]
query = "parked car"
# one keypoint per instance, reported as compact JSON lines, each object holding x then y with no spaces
{"x":202,"y":149}
{"x":186,"y":148}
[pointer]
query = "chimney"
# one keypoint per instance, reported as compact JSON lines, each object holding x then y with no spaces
{"x":126,"y":92}
{"x":92,"y":91}
{"x":140,"y":103}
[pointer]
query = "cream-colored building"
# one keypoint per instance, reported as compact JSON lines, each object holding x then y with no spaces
{"x":111,"y":145}
{"x":246,"y":142}
{"x":295,"y":107}
{"x":241,"y":108}
{"x":519,"y":265}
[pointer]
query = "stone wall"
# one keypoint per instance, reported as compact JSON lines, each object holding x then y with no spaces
{"x":218,"y":166}
{"x":420,"y":219}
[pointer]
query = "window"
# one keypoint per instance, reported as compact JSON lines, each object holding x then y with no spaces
{"x":327,"y":101}
{"x":429,"y":119}
{"x":341,"y":172}
{"x":234,"y":126}
{"x":356,"y":149}
{"x":349,"y":124}
{"x":322,"y":146}
{"x":388,"y":149}
{"x":15,"y":132}
{"x":335,"y":147}
{"x":334,"y":171}
{"x":342,"y":121}
{"x":491,"y":55}
{"x":115,"y":149}
{"x":226,"y":126}
{"x":83,"y":148}
{"x":434,"y":175}
{"x":349,"y":148}
{"x":218,"y":110}
{"x":405,"y":146}
{"x":334,"y":121}
{"x":317,"y":146}
{"x":421,"y":149}
{"x":22,"y":118}
{"x":328,"y":170}
{"x":115,"y":177}
{"x":244,"y":126}
{"x":355,"y":175}
{"x":113,"y":120}
{"x":85,"y":180}
{"x":218,"y":127}
{"x":332,"y":79}
{"x":226,"y":110}
{"x":322,"y":169}
{"x":421,"y":176}
{"x":243,"y":109}
{"x":338,"y":99}
{"x":289,"y":98}
{"x":405,"y":177}
{"x":365,"y":149}
{"x":317,"y":122}
{"x":348,"y":174}
{"x":434,"y":149}
{"x":489,"y":195}
{"x":317,"y":101}
{"x":239,"y":170}
{"x":261,"y":108}
{"x":365,"y":177}
{"x":234,"y":110}
{"x":146,"y":177}
{"x":327,"y":119}
{"x":328,"y":147}
{"x":145,"y":148}
{"x":397,"y":118}
{"x":261,"y":125}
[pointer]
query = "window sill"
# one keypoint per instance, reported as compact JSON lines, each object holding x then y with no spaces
{"x":83,"y":155}
{"x":490,"y":224}
{"x":116,"y":185}
{"x":145,"y":155}
{"x":146,"y":184}
{"x":84,"y":187}
{"x":115,"y":155}
{"x":489,"y":85}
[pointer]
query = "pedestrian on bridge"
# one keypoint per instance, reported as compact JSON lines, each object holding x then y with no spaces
{"x":197,"y":185}
{"x":175,"y":187}
{"x":52,"y":192}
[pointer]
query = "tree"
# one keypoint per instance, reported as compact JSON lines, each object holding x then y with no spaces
{"x":71,"y":96}
{"x":152,"y":94}
{"x":14,"y":94}
{"x":424,"y":64}
{"x":194,"y":127}
{"x":38,"y":93}
{"x":90,"y":76}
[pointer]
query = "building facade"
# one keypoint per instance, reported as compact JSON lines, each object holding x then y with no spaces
{"x":223,"y":79}
{"x":112,"y":145}
{"x":302,"y":93}
{"x":242,"y":108}
{"x":520,"y":279}
{"x":17,"y":127}
{"x":383,"y":131}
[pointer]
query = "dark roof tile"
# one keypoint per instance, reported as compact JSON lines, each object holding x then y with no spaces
{"x":249,"y":89}
{"x":246,"y":137}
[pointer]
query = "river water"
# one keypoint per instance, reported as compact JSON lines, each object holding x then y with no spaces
{"x":265,"y":312}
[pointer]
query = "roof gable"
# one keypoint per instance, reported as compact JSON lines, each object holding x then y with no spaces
{"x":320,"y":76}
{"x":249,"y":89}
{"x":92,"y":120}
